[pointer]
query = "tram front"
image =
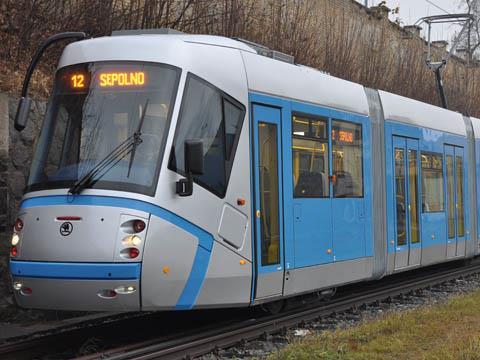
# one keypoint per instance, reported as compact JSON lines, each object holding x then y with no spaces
{"x":105,"y":129}
{"x":109,"y":218}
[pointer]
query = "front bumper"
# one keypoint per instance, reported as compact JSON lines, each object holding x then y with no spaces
{"x":77,"y":286}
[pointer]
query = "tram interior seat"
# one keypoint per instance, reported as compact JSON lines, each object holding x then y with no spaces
{"x":343,"y":187}
{"x":310,"y":184}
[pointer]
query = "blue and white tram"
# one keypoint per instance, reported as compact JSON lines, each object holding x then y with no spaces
{"x":186,"y":172}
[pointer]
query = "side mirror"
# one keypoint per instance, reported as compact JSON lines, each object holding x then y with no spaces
{"x":193,"y":166}
{"x":23,"y":110}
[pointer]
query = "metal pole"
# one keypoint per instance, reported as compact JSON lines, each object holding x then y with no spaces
{"x":429,"y":55}
{"x":441,"y":90}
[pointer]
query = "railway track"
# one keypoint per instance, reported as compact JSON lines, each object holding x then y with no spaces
{"x":222,"y":337}
{"x":203,"y":337}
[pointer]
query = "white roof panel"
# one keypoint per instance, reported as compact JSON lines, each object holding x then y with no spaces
{"x":269,"y":76}
{"x":413,"y":112}
{"x":476,"y":127}
{"x":213,"y":58}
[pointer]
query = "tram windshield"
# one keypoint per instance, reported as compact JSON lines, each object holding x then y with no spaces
{"x":95,"y":107}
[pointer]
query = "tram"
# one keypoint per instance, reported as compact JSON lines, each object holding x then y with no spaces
{"x":177,"y":172}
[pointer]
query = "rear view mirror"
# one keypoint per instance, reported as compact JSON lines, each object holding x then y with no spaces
{"x":23,"y":110}
{"x":193,"y":166}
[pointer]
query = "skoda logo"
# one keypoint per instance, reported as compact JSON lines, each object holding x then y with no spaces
{"x":66,"y":228}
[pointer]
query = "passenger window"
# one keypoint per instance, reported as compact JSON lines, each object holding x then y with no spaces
{"x":460,"y":216}
{"x":347,"y":159}
{"x":413,"y":186}
{"x":400,"y":198}
{"x":432,"y":182}
{"x":209,"y":115}
{"x":310,"y":161}
{"x":268,"y":171}
{"x":450,"y":197}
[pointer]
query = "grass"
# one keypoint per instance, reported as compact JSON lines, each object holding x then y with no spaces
{"x":442,"y":332}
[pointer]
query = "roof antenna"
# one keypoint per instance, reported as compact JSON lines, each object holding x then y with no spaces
{"x":436,"y":66}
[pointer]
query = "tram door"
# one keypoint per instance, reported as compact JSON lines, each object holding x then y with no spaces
{"x":268,"y":201}
{"x":407,"y":229}
{"x":455,"y":201}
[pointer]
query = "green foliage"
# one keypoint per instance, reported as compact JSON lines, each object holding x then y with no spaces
{"x":443,"y":332}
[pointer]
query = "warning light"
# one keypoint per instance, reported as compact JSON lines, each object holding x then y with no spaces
{"x":78,"y":81}
{"x":123,"y":79}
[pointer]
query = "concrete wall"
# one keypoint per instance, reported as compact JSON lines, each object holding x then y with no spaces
{"x":16,"y":151}
{"x":4,"y":167}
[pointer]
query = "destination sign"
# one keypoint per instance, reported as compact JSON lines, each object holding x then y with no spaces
{"x":343,"y":136}
{"x":122,"y":79}
{"x":127,"y":79}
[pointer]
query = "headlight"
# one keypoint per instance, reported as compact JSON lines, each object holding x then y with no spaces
{"x":125,"y":290}
{"x":15,"y":239}
{"x":132,"y":240}
{"x":17,"y":285}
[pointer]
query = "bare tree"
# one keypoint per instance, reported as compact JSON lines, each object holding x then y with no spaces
{"x":331,"y":35}
{"x":470,"y":39}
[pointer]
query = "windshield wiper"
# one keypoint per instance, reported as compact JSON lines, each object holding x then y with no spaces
{"x":138,"y":135}
{"x":126,"y":147}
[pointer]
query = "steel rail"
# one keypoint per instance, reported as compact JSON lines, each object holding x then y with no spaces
{"x":223,"y":337}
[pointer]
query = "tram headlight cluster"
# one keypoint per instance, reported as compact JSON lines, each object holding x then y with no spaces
{"x":17,"y":228}
{"x":132,"y":239}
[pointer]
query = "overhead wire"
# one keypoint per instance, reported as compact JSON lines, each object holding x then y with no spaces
{"x":438,"y":7}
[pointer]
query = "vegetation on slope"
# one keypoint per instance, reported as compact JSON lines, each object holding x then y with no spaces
{"x":445,"y":332}
{"x":337,"y":36}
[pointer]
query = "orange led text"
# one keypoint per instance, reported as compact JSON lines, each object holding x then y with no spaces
{"x":345,"y":136}
{"x":78,"y":81}
{"x":122,"y":79}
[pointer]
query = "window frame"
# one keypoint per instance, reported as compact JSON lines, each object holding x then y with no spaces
{"x":443,"y":172}
{"x":327,"y":141}
{"x":228,"y":162}
{"x":362,"y":163}
{"x":106,"y":184}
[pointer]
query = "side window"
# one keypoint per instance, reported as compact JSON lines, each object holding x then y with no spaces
{"x":233,"y":122}
{"x":432,"y":182}
{"x":460,"y":212}
{"x":347,"y":159}
{"x":213,"y":117}
{"x":310,"y":161}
